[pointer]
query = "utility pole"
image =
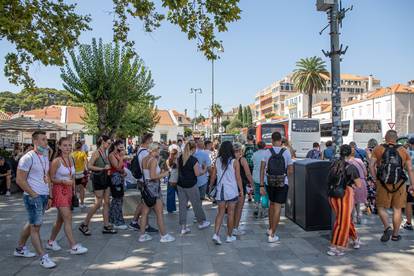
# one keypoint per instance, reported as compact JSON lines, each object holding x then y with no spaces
{"x":195,"y":91}
{"x":335,"y":16}
{"x":220,"y":50}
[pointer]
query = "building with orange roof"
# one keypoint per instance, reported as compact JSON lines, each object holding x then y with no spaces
{"x":393,"y":105}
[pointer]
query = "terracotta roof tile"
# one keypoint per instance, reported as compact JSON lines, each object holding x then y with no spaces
{"x":165,"y":118}
{"x":48,"y":113}
{"x":75,"y":115}
{"x":185,"y":120}
{"x":4,"y":116}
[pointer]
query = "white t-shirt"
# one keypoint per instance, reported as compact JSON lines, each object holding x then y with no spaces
{"x":286,"y":155}
{"x":142,"y":153}
{"x":37,"y":167}
{"x":258,"y":156}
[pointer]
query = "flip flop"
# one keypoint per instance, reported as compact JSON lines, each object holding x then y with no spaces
{"x":387,"y":234}
{"x":396,"y":238}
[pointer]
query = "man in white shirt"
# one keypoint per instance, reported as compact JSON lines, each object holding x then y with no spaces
{"x":142,"y":152}
{"x":277,"y":194}
{"x":33,"y":178}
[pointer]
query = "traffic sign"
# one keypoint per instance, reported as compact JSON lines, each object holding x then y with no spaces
{"x":391,"y":125}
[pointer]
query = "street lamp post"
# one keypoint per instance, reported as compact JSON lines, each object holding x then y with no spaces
{"x":195,"y":91}
{"x":335,"y":15}
{"x":221,"y":50}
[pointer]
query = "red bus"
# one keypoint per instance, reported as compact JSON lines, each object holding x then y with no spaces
{"x":264,"y":131}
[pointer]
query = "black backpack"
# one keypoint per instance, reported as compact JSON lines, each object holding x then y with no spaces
{"x":391,"y":170}
{"x":135,"y":167}
{"x":337,"y":180}
{"x":276,"y":169}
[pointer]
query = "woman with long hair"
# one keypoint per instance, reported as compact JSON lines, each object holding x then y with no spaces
{"x":172,"y":180}
{"x":99,"y":165}
{"x":187,"y":189}
{"x":371,"y":185}
{"x":62,"y":175}
{"x":152,"y":176}
{"x":360,"y":193}
{"x":229,"y":188}
{"x":81,"y":171}
{"x":343,"y":173}
{"x":117,"y":174}
{"x":247,"y":180}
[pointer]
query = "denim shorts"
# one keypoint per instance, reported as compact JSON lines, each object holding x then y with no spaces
{"x":36,"y":208}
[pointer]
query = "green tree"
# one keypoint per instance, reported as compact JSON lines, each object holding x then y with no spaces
{"x":40,"y":31}
{"x":111,"y":78}
{"x":249,"y":116}
{"x":188,"y":132}
{"x":36,"y":98}
{"x":240,"y":113}
{"x":309,"y":78}
{"x":235,"y":124}
{"x":269,"y":115}
{"x":217,"y":112}
{"x":225,"y":124}
{"x":43,"y":30}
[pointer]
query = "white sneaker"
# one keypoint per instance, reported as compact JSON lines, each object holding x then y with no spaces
{"x":216,"y":239}
{"x":46,"y":262}
{"x":121,"y":227}
{"x":204,"y":225}
{"x":185,"y":230}
{"x":144,"y":238}
{"x":195,"y":220}
{"x":357,"y":243}
{"x":167,"y":238}
{"x":335,"y":252}
{"x":273,"y":239}
{"x":8,"y":193}
{"x":53,"y":246}
{"x":238,"y":232}
{"x":78,"y":250}
{"x":231,"y":239}
{"x":24,"y":252}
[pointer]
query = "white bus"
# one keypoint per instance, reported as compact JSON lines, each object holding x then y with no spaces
{"x":358,"y":130}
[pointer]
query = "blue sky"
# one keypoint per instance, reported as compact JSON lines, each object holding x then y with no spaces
{"x":260,"y":48}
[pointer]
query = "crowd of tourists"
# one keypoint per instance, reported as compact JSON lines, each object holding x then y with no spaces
{"x":370,"y":180}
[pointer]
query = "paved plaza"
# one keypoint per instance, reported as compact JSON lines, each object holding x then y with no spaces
{"x":298,"y":253}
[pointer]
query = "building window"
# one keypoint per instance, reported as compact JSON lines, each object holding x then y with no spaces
{"x":180,"y":119}
{"x":53,"y":136}
{"x":76,"y":137}
{"x":163,"y":137}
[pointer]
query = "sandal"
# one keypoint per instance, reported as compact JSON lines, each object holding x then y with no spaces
{"x":84,"y":229}
{"x":108,"y":230}
{"x":396,"y":238}
{"x":387,"y":234}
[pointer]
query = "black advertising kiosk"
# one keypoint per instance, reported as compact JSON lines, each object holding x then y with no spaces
{"x":310,"y":207}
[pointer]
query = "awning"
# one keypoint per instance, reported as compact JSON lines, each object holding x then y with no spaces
{"x":28,"y":124}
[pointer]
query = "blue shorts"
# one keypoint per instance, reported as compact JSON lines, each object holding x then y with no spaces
{"x":36,"y":208}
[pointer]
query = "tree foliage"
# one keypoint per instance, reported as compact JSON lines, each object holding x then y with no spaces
{"x":40,"y":30}
{"x":225,"y":124}
{"x":43,"y":30}
{"x":249,"y":116}
{"x":114,"y":80}
{"x":188,"y":132}
{"x":309,"y":77}
{"x":37,"y":98}
{"x":217,"y":112}
{"x":240,"y":113}
{"x":199,"y":19}
{"x":235,"y":124}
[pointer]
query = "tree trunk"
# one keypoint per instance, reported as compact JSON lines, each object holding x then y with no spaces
{"x":310,"y":101}
{"x":102,"y":109}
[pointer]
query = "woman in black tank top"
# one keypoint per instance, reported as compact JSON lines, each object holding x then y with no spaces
{"x":247,"y":179}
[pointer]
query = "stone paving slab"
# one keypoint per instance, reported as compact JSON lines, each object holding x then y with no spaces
{"x":298,"y":252}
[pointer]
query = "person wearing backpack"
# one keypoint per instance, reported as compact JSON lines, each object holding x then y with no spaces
{"x":137,"y":172}
{"x":329,"y":152}
{"x":276,"y":165}
{"x":410,"y":194}
{"x":359,"y":153}
{"x":249,"y":150}
{"x":342,"y":178}
{"x":387,"y":166}
{"x":314,"y":153}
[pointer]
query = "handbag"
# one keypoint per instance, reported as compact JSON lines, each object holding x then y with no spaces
{"x":213,"y":192}
{"x":75,"y":201}
{"x":146,"y":194}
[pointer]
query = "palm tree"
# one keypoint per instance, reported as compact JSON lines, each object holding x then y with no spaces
{"x":216,"y":112}
{"x":309,"y":77}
